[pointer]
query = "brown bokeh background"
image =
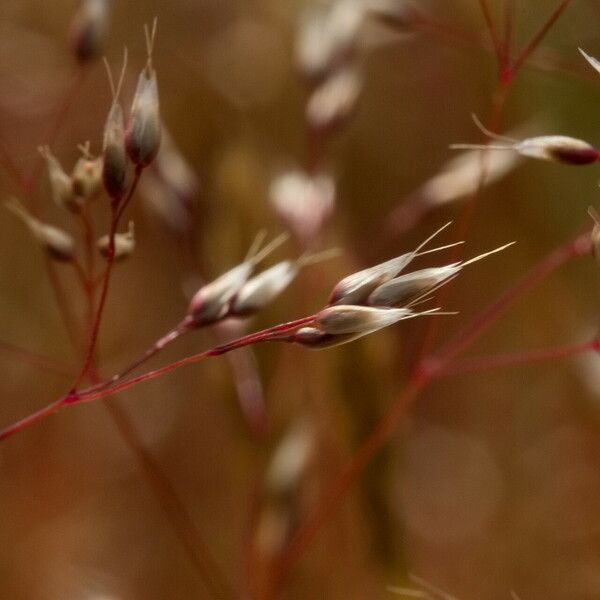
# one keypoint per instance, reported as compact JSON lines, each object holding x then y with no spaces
{"x":491,"y":483}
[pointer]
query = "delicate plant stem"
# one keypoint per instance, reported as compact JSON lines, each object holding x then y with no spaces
{"x":65,"y":104}
{"x":484,"y":363}
{"x":44,"y":412}
{"x":489,"y":21}
{"x":99,"y":391}
{"x":540,"y":35}
{"x":34,"y":359}
{"x":159,"y":345}
{"x":265,"y":335}
{"x":64,"y":307}
{"x":177,"y":514}
{"x":422,"y":375}
{"x":579,"y":246}
{"x":509,"y":26}
{"x":117,"y":212}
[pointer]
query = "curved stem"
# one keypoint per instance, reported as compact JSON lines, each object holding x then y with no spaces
{"x":421,"y":377}
{"x":117,"y":212}
{"x":511,"y":359}
{"x":540,"y":35}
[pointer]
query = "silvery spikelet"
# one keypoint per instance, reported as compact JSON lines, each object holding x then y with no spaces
{"x":212,"y":301}
{"x":317,"y":339}
{"x":61,"y":184}
{"x":334,"y":101}
{"x":143,"y":126}
{"x":304,"y":202}
{"x":124,"y":243}
{"x":114,"y":168}
{"x":411,"y":287}
{"x":556,"y":148}
{"x":87,"y":176}
{"x":89,"y":28}
{"x":57,"y":243}
{"x":259,"y":291}
{"x":355,"y":288}
{"x":343,"y":319}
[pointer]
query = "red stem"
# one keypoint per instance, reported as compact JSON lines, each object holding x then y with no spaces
{"x":270,"y":334}
{"x":175,"y":510}
{"x":117,"y":212}
{"x":539,"y":36}
{"x":101,"y":391}
{"x":421,"y":377}
{"x":37,"y":360}
{"x":62,"y":111}
{"x":466,"y":337}
{"x":489,"y":21}
{"x":484,"y":363}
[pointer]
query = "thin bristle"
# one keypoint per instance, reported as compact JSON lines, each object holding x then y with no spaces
{"x":270,"y":247}
{"x":433,"y":235}
{"x":420,"y":299}
{"x":479,"y":147}
{"x":111,"y":82}
{"x":150,"y":39}
{"x":440,"y":248}
{"x":594,"y":214}
{"x":491,"y":134}
{"x":311,"y":259}
{"x":256,"y":244}
{"x":476,"y":258}
{"x":122,"y":76}
{"x":432,"y":589}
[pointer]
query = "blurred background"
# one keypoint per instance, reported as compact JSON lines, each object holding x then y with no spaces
{"x":192,"y":485}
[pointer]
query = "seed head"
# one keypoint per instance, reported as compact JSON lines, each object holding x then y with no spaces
{"x":212,"y":301}
{"x":412,"y":287}
{"x":342,"y":319}
{"x":399,"y":14}
{"x":87,"y":175}
{"x":89,"y":28}
{"x":58,"y":244}
{"x":334,"y":101}
{"x":124,"y":243}
{"x":594,"y":62}
{"x":303,"y":202}
{"x":262,"y":289}
{"x":355,"y":288}
{"x":61,"y":185}
{"x":114,"y":171}
{"x":556,"y":148}
{"x":327,"y":37}
{"x":401,"y":290}
{"x":317,"y":339}
{"x":143,"y":126}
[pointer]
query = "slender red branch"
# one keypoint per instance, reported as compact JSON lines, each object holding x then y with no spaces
{"x":117,"y":212}
{"x":35,"y":417}
{"x":540,"y":35}
{"x":579,"y":246}
{"x":37,"y":360}
{"x":270,"y":334}
{"x":62,"y":111}
{"x":489,"y":21}
{"x":176,"y":512}
{"x":97,"y":392}
{"x":64,"y":307}
{"x":509,"y":26}
{"x":510,"y":359}
{"x":422,"y":375}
